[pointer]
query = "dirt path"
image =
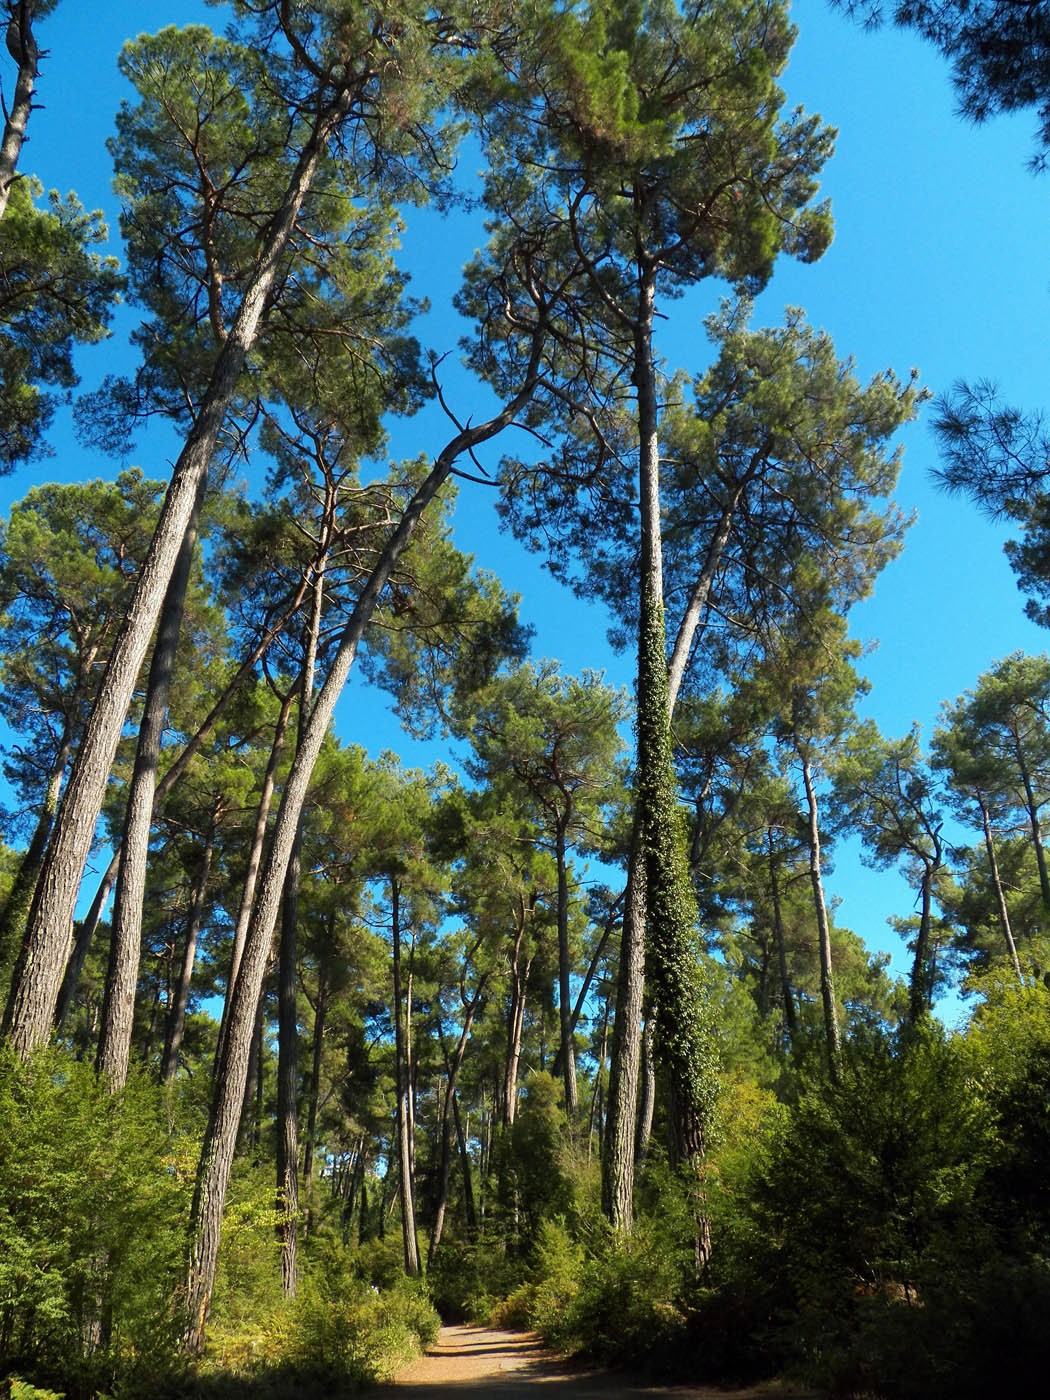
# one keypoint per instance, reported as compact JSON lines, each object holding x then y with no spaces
{"x":503,"y":1364}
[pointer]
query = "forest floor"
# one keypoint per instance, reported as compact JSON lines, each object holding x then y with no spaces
{"x":497,"y":1364}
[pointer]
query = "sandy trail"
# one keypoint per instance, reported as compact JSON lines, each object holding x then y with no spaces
{"x":491,"y":1363}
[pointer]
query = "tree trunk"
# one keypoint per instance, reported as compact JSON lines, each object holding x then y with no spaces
{"x":255,"y":851}
{"x":566,"y":1053}
{"x":445,"y":1162}
{"x":287,"y":987}
{"x":320,"y":1016}
{"x":622,"y":1113}
{"x":827,"y":984}
{"x":1032,"y":809}
{"x":220,"y":1138}
{"x":118,"y":1003}
{"x":790,"y":1018}
{"x":648,"y":1101}
{"x":997,"y":885}
{"x":82,"y":943}
{"x":21,"y":45}
{"x":469,"y":1209}
{"x":597,"y":1092}
{"x":403,"y":1088}
{"x":45,"y":950}
{"x":20,"y":895}
{"x":177,"y":1013}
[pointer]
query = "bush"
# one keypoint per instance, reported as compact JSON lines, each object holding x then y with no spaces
{"x":94,"y":1192}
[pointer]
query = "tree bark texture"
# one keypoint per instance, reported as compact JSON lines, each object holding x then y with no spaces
{"x":177,"y":1012}
{"x":21,"y":45}
{"x":403,"y":1089}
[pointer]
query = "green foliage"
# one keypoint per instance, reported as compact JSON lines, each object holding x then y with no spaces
{"x":93,"y":1193}
{"x":54,"y":293}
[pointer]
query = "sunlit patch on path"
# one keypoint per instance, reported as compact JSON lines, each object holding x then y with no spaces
{"x":489,"y":1362}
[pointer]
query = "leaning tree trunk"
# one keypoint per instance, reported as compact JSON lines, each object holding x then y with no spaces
{"x":118,"y":1003}
{"x":45,"y":949}
{"x":221,"y":1135}
{"x":618,"y":1158}
{"x":177,"y":1013}
{"x":22,"y":47}
{"x":287,"y":987}
{"x":20,"y":896}
{"x":566,"y":1053}
{"x":251,"y":874}
{"x":445,"y":1162}
{"x":320,"y":1019}
{"x":1032,"y":808}
{"x":997,"y":885}
{"x":82,"y":944}
{"x":827,"y":984}
{"x":403,"y":1089}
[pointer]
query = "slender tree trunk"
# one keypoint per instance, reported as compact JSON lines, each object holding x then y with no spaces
{"x":445,"y":1161}
{"x":827,"y":984}
{"x":118,"y":1003}
{"x":621,"y":1117}
{"x":20,"y":896}
{"x":221,"y":1135}
{"x":320,"y":1017}
{"x":177,"y":1014}
{"x":790,"y":1018}
{"x":469,"y":1209}
{"x":251,"y":876}
{"x":566,"y":1053}
{"x":647,"y":1105}
{"x":1032,"y":808}
{"x":21,"y":45}
{"x":82,"y":943}
{"x":45,"y":950}
{"x":403,"y":1088}
{"x":287,"y":988}
{"x":997,"y":885}
{"x":597,"y":1092}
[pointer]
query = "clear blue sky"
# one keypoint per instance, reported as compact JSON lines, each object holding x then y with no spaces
{"x":940,"y":261}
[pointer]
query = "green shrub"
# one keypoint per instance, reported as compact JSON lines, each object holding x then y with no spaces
{"x":94,"y":1193}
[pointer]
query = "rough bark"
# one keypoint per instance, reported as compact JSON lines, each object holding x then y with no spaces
{"x":45,"y":950}
{"x":647,"y":1104}
{"x":1032,"y":808}
{"x":118,"y":1003}
{"x":22,"y":47}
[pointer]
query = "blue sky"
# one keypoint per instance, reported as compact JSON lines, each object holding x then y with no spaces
{"x":939,"y":261}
